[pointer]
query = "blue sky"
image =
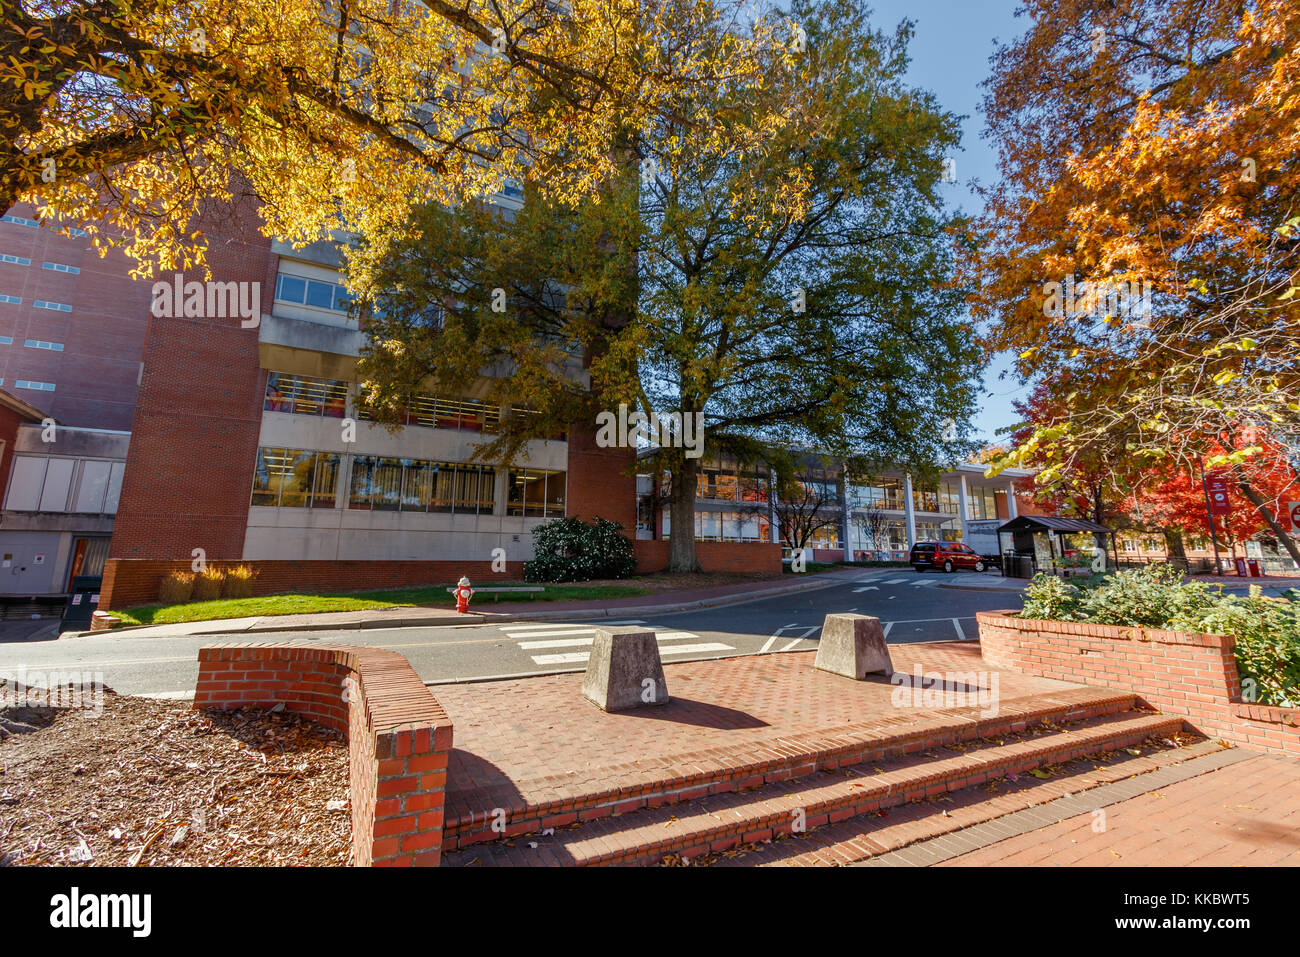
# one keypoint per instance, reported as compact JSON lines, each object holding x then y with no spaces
{"x":950,"y":57}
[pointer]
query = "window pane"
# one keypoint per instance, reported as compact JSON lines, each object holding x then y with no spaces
{"x":263,"y":492}
{"x":555,"y":493}
{"x":444,"y":487}
{"x":362,"y":470}
{"x":320,"y":294}
{"x":387,"y":484}
{"x":291,"y":289}
{"x":296,"y":473}
{"x":487,"y":491}
{"x":466,"y":489}
{"x":341,"y":301}
{"x":325,"y":480}
{"x":415,"y":487}
{"x":535,"y":493}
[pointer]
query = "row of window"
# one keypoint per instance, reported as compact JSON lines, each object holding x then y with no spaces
{"x":24,"y":221}
{"x":889,"y":494}
{"x":301,"y":291}
{"x":37,"y":303}
{"x":300,"y":478}
{"x":308,"y":395}
{"x":53,"y":267}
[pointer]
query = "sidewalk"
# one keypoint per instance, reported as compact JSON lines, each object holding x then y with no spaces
{"x":486,"y":613}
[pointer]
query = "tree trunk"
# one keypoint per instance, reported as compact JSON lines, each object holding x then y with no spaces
{"x":1286,"y":540}
{"x":1174,"y":544}
{"x":681,"y":531}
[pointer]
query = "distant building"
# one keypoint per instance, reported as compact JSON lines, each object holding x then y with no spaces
{"x":72,"y":332}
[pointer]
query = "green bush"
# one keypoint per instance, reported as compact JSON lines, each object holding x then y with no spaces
{"x":569,"y":550}
{"x":1267,"y":630}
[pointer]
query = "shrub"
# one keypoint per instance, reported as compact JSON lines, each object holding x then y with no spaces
{"x":239,"y":581}
{"x":569,"y":550}
{"x":176,"y":588}
{"x":207,"y":586}
{"x":1267,"y":630}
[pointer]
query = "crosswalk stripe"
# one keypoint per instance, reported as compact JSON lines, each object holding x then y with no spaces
{"x":577,"y":657}
{"x":584,"y":642}
{"x":692,"y":649}
{"x":556,"y":633}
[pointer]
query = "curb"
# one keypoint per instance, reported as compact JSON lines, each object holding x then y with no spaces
{"x":473,"y":619}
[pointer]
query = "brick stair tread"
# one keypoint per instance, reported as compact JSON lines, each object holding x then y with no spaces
{"x":858,"y":839}
{"x":647,"y":832}
{"x":554,"y":794}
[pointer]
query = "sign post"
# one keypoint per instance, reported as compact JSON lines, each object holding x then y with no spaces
{"x":1224,"y":506}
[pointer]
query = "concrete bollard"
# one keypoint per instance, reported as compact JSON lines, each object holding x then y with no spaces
{"x":853,"y":646}
{"x":624,"y":670}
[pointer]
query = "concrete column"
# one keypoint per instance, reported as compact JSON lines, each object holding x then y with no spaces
{"x":1011,"y":501}
{"x":846,"y":520}
{"x":773,"y":532}
{"x":909,"y":509}
{"x":963,"y":506}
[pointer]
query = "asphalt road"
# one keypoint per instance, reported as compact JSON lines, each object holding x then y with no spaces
{"x":914,"y":608}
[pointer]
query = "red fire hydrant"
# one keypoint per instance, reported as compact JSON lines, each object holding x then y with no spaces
{"x":462,"y":593}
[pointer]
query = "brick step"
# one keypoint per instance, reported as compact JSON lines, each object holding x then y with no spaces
{"x":769,"y":762}
{"x":862,"y":838}
{"x":720,"y":822}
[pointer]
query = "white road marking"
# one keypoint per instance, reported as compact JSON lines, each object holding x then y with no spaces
{"x":577,"y":657}
{"x":956,"y":623}
{"x":585,"y":642}
{"x":571,"y":658}
{"x":535,"y":634}
{"x":868,"y":588}
{"x":692,"y":649}
{"x":925,"y":582}
{"x":775,"y":635}
{"x":895,"y":581}
{"x":888,"y":625}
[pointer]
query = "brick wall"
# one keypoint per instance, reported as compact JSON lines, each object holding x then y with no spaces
{"x":97,"y":372}
{"x":741,"y":557}
{"x":130,"y":582}
{"x":399,"y":737}
{"x":1174,"y":672}
{"x":601,"y":482}
{"x":189,"y":471}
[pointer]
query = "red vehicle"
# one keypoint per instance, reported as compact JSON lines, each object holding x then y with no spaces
{"x":946,"y":555}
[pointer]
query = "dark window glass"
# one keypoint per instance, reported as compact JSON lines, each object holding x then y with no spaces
{"x":291,"y":289}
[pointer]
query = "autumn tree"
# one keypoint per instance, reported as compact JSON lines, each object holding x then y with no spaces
{"x":1139,"y":253}
{"x":129,"y":117}
{"x":793,"y":296}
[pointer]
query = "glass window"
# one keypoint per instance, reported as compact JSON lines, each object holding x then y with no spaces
{"x":293,"y":478}
{"x":305,"y":395}
{"x":415,"y":487}
{"x":291,"y":289}
{"x":536,"y":492}
{"x":386,"y":484}
{"x":443,"y":479}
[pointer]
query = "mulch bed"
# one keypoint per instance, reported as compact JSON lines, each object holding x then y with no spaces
{"x":150,"y":783}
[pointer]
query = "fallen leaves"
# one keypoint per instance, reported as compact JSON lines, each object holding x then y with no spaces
{"x":153,"y":783}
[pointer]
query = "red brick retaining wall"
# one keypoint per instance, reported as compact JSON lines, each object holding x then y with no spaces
{"x":1175,"y":672}
{"x":399,"y":738}
{"x":744,"y":557}
{"x":130,"y":582}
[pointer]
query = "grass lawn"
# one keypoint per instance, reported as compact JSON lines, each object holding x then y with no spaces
{"x":347,"y":601}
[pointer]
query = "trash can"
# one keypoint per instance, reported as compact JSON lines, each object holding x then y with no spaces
{"x":1024,"y":566}
{"x":81,"y":603}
